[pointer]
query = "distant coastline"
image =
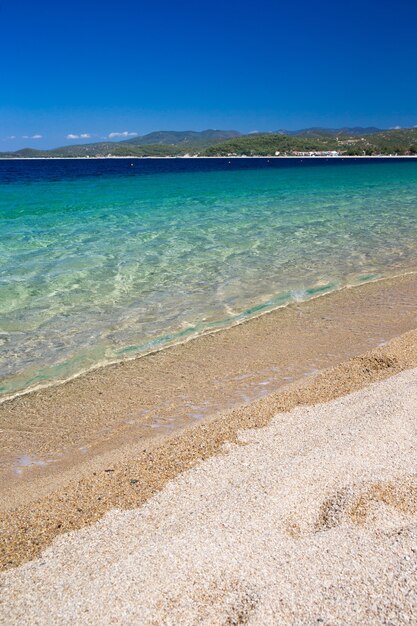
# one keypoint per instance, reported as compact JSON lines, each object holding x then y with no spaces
{"x":141,"y":158}
{"x":346,"y":142}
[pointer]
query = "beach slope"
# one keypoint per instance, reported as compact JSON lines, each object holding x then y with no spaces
{"x":311,"y":519}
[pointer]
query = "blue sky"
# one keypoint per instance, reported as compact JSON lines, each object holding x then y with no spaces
{"x":96,"y":68}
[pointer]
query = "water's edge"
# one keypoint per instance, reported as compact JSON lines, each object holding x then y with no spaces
{"x":220,"y":326}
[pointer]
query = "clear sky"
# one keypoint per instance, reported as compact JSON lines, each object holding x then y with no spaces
{"x":94,"y":67}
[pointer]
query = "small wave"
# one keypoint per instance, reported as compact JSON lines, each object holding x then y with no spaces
{"x":133,"y":352}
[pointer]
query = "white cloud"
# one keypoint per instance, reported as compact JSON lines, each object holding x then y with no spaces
{"x":123,"y":134}
{"x":12,"y":137}
{"x":81,"y":136}
{"x":31,"y":136}
{"x":396,"y":128}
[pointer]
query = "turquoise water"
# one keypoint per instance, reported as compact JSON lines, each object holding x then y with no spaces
{"x":98,"y":267}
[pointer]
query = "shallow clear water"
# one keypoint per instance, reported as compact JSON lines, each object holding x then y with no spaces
{"x":103,"y":260}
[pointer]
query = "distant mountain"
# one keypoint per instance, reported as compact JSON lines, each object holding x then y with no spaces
{"x":159,"y":143}
{"x":356,"y":131}
{"x":176,"y":137}
{"x":24,"y":153}
{"x":349,"y":141}
{"x":103,"y":149}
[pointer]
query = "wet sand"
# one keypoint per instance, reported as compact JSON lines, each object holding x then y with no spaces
{"x":62,"y":427}
{"x":309,"y":520}
{"x":122,"y":464}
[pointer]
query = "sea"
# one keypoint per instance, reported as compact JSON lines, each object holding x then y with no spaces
{"x":107,"y":259}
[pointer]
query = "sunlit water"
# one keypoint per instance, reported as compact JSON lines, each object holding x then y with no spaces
{"x":103,"y":260}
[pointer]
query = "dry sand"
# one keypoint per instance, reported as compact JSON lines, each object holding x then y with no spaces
{"x":309,"y":520}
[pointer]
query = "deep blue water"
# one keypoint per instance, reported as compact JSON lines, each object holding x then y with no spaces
{"x":35,"y":170}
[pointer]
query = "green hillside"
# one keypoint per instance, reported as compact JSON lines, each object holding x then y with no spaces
{"x":268,"y":145}
{"x":401,"y":142}
{"x":213,"y":143}
{"x":102,"y":149}
{"x":160,"y":143}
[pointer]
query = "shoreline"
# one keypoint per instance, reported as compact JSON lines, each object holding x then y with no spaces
{"x":51,"y":430}
{"x":125,"y":471}
{"x":222,"y":327}
{"x":124,"y":400}
{"x":360,"y":156}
